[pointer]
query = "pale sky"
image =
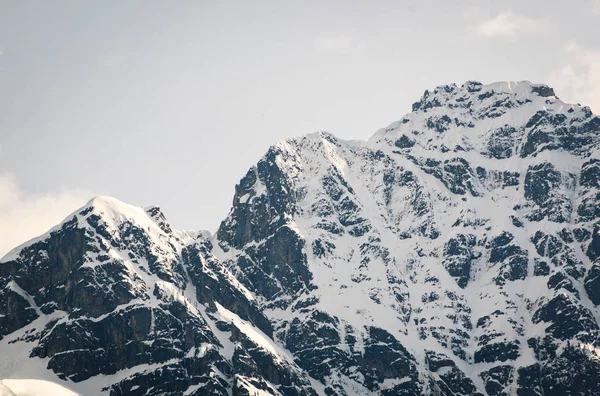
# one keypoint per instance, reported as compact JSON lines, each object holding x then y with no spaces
{"x":170,"y":102}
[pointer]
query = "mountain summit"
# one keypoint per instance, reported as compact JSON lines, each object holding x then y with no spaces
{"x":456,"y":252}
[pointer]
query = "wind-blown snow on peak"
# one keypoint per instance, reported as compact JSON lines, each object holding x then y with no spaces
{"x":115,"y":213}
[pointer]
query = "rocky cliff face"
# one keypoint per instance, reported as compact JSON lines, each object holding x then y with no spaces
{"x":455,"y":252}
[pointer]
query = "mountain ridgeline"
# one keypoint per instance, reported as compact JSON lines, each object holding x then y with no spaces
{"x":455,"y":252}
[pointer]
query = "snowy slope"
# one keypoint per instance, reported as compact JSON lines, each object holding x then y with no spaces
{"x":457,"y":251}
{"x":32,"y":388}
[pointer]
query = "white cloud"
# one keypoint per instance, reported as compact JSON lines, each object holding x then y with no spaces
{"x":338,"y":44}
{"x":577,"y":79}
{"x":24,"y":216}
{"x":509,"y":25}
{"x":1,"y":52}
{"x":596,"y":7}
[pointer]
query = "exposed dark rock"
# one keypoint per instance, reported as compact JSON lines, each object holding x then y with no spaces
{"x":458,"y":255}
{"x":574,"y":372}
{"x":541,"y":268}
{"x":15,"y":310}
{"x":592,"y":284}
{"x":498,"y":352}
{"x":593,"y":249}
{"x":502,"y":142}
{"x":529,"y":381}
{"x":543,"y":184}
{"x":513,"y":259}
{"x":497,"y":380}
{"x":568,"y":319}
{"x":404,"y":142}
{"x":543,"y":90}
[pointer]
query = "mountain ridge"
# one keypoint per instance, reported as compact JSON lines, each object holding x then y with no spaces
{"x":454,"y":252}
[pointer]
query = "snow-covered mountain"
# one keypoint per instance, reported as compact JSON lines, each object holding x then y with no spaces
{"x":456,"y":252}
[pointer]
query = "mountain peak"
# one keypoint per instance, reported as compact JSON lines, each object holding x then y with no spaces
{"x":107,"y":204}
{"x":114,"y":211}
{"x":474,"y":92}
{"x":497,"y":120}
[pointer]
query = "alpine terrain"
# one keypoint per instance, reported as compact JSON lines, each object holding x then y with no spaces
{"x":455,"y":252}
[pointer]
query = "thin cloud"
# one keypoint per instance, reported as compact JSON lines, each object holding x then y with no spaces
{"x":509,"y":25}
{"x":24,"y":216}
{"x":338,"y":44}
{"x":577,"y":78}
